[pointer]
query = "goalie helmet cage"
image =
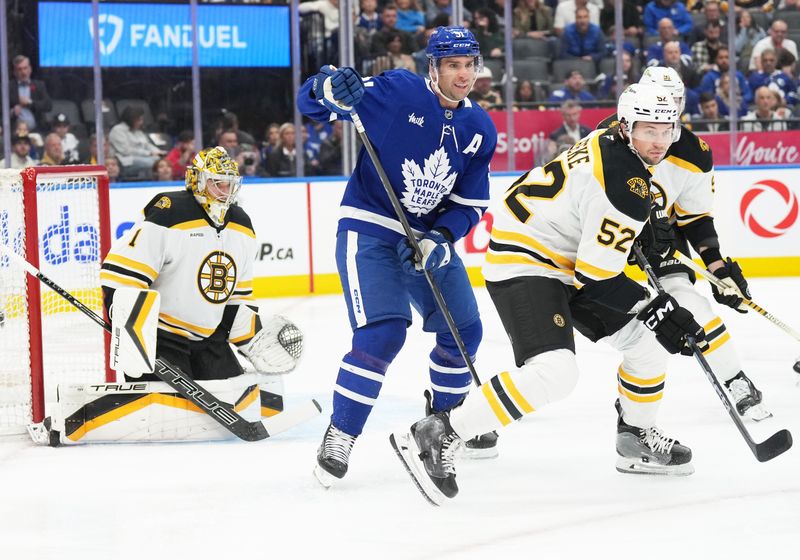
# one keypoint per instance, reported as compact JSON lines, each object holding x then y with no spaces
{"x":58,"y":219}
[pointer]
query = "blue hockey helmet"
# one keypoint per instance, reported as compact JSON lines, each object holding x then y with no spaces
{"x":452,"y":41}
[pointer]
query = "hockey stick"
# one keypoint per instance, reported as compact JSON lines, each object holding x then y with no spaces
{"x":722,"y":286}
{"x":220,"y":411}
{"x":437,"y":293}
{"x":778,"y":442}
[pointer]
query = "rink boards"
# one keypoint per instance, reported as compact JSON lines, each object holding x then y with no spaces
{"x":756,"y":215}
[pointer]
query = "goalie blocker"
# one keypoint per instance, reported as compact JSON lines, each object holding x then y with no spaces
{"x":141,"y":409}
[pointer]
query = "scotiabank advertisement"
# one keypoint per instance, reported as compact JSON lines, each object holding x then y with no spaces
{"x":756,"y":214}
{"x":532,"y":130}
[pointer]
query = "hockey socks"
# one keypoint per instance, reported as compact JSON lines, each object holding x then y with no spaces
{"x":362,"y":371}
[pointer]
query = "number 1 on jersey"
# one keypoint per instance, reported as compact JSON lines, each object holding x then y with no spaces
{"x":522,"y":188}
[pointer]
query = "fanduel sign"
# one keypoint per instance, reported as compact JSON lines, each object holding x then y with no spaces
{"x":161,"y":35}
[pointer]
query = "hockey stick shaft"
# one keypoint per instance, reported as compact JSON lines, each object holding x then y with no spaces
{"x":722,"y":286}
{"x":220,"y":411}
{"x":777,"y":443}
{"x":401,"y":216}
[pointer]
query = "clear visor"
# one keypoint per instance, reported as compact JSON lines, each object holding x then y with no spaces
{"x":661,"y":133}
{"x":221,"y":188}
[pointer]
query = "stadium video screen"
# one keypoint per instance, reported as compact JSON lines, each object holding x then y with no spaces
{"x":161,"y":35}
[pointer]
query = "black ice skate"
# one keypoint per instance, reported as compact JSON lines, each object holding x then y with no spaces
{"x":428,"y":454}
{"x":648,"y":451}
{"x":479,"y":447}
{"x":333,"y":456}
{"x":746,"y":397}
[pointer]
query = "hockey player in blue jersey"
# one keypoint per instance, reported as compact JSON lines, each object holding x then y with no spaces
{"x":435,"y":146}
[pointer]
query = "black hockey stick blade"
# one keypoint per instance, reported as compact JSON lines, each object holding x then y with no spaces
{"x":776,"y":444}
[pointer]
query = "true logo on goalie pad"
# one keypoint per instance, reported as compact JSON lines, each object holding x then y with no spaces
{"x":217,"y":277}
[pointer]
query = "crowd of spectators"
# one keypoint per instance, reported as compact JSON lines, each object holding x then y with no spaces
{"x":571,"y":43}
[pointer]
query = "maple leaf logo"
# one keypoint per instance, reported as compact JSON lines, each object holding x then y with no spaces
{"x":426,"y":187}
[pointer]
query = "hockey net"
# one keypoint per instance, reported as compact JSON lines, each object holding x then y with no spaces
{"x":57,"y":218}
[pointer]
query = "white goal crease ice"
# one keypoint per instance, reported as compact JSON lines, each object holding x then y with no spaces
{"x":57,"y":218}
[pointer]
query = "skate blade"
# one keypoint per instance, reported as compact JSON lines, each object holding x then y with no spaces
{"x":757,"y":413}
{"x":473,"y":453}
{"x":325,"y":478}
{"x":630,"y":465}
{"x":407,"y":450}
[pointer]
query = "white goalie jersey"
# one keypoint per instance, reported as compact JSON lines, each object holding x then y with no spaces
{"x":573,"y":219}
{"x":198,"y":269}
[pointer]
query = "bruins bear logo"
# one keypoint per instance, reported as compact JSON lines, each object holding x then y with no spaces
{"x":217,"y":277}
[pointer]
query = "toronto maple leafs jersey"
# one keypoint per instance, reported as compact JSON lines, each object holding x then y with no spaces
{"x":437,"y":159}
{"x":683,"y":184}
{"x":201,"y":271}
{"x":574,"y":220}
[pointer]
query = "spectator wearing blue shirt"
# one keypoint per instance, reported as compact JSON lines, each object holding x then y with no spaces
{"x":769,"y":61}
{"x":573,"y":89}
{"x":656,"y":10}
{"x":782,"y":80}
{"x":721,"y":66}
{"x":666,"y":34}
{"x":582,"y":39}
{"x":369,"y":19}
{"x":723,"y":98}
{"x":409,"y":17}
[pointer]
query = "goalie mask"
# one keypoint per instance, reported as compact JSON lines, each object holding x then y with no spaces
{"x":214,"y":180}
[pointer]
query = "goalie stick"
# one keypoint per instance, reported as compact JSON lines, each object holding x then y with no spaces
{"x":398,"y":210}
{"x":773,"y":446}
{"x":220,"y":411}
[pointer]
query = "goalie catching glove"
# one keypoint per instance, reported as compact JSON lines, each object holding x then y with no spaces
{"x":276,"y":348}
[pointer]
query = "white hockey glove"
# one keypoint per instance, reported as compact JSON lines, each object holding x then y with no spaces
{"x":276,"y":348}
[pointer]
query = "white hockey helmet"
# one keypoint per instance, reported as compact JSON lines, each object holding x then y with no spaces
{"x":669,"y":79}
{"x":647,"y":103}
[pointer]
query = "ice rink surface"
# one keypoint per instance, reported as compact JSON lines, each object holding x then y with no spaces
{"x":553,"y":493}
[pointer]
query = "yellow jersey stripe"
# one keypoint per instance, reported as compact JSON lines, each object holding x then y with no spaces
{"x":682,"y":163}
{"x":515,"y":394}
{"x":132,"y":264}
{"x":494,"y":258}
{"x":713,"y":324}
{"x":242,"y":229}
{"x":532,"y":243}
{"x":593,"y":271}
{"x":196,"y":329}
{"x":494,"y":403}
{"x":641,"y":381}
{"x":717,"y":343}
{"x":114,"y":278}
{"x":191,"y":224}
{"x":639,"y":398}
{"x":597,"y":161}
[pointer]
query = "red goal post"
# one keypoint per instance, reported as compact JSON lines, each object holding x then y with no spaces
{"x":44,"y":341}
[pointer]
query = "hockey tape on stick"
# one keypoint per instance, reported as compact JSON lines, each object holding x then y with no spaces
{"x":220,"y":411}
{"x":773,"y":446}
{"x":722,"y":286}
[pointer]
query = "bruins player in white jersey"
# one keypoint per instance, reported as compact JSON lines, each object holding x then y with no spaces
{"x":683,"y":186}
{"x":560,"y":241}
{"x":194,"y":250}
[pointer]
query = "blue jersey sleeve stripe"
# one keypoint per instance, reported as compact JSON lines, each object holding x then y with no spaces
{"x":479,"y":202}
{"x":367,"y":216}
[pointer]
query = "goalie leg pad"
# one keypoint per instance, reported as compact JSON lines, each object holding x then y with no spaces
{"x":147,"y":412}
{"x":134,"y":325}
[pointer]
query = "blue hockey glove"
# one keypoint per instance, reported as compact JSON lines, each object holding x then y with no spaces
{"x":435,"y":253}
{"x":671,"y":324}
{"x":338,"y":90}
{"x":731,"y":274}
